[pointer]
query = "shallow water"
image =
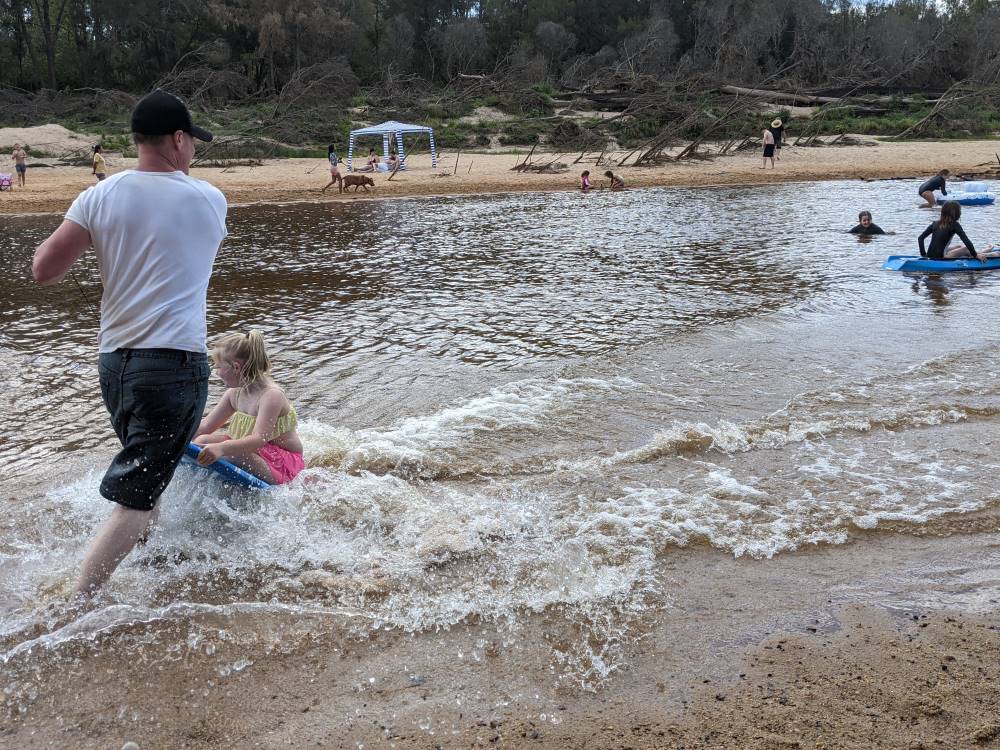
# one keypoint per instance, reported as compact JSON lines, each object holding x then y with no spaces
{"x":517,"y":404}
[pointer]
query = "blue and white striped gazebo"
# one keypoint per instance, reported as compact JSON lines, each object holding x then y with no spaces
{"x":387,"y":130}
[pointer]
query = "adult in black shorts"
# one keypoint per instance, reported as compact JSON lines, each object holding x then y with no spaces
{"x":778,"y":133}
{"x":937,"y":182}
{"x":155,"y":231}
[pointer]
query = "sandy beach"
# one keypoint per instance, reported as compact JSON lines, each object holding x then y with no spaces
{"x":52,"y":189}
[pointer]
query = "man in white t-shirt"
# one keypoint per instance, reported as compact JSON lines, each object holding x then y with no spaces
{"x":156,"y":232}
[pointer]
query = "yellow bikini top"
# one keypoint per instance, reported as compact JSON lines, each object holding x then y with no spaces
{"x":241,"y":424}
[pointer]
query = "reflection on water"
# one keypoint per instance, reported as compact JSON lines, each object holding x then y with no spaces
{"x":521,"y":402}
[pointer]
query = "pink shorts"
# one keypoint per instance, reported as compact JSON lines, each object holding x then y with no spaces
{"x":284,"y":464}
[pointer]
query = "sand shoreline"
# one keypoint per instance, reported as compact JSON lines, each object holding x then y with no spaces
{"x":51,"y":190}
{"x":868,"y":645}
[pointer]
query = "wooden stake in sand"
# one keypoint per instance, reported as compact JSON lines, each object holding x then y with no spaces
{"x":457,"y":157}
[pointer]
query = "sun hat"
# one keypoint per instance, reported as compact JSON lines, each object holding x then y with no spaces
{"x":160,"y":113}
{"x":776,"y":123}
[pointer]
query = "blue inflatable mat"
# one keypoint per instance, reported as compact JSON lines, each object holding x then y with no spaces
{"x":229,"y":472}
{"x":916,"y":263}
{"x":967,"y":199}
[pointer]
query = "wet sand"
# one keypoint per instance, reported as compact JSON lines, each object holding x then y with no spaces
{"x":886,"y":643}
{"x":282,"y":180}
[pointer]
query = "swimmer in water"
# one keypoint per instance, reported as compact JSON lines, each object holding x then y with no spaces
{"x":866,"y":226}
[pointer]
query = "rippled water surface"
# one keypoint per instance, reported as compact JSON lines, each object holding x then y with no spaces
{"x":516,"y":403}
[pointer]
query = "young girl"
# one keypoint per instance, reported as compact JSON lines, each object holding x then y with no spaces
{"x":585,"y":180}
{"x":941,"y":232}
{"x":261,"y":435}
{"x":100,"y":166}
{"x":617,"y":183}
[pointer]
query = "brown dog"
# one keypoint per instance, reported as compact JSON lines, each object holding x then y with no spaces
{"x":358,"y":181}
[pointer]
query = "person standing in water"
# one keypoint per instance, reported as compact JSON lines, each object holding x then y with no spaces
{"x":100,"y":166}
{"x":937,"y":182}
{"x":156,"y":231}
{"x":20,"y":157}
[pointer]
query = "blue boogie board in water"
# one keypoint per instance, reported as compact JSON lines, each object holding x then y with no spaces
{"x":916,"y":263}
{"x":229,"y":472}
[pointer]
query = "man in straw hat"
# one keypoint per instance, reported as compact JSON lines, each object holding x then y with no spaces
{"x":777,"y":130}
{"x":155,"y":231}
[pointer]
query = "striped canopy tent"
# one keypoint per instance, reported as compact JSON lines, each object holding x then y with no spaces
{"x":391,"y":129}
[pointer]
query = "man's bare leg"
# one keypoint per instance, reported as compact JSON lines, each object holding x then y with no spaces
{"x":115,"y":539}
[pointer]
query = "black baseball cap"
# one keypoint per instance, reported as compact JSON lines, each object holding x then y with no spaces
{"x":160,"y":113}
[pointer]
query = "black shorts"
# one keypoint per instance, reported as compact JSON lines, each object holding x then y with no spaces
{"x":156,"y":398}
{"x":768,"y":150}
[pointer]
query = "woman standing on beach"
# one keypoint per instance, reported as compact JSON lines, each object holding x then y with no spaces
{"x":331,"y":154}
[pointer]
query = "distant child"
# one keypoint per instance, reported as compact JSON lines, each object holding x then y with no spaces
{"x":20,"y":157}
{"x":768,"y":137}
{"x":585,"y":181}
{"x":100,"y":167}
{"x":261,"y":434}
{"x":866,"y":226}
{"x":941,"y":232}
{"x":937,"y":182}
{"x":331,"y":155}
{"x":617,"y":183}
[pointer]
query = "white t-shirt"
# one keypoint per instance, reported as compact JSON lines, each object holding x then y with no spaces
{"x":156,"y":235}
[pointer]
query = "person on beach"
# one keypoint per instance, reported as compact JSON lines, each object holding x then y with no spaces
{"x":392,"y":162}
{"x":768,"y":139}
{"x":372,"y":164}
{"x":778,"y":133}
{"x":941,"y":233}
{"x":261,"y":432}
{"x":617,"y":183}
{"x":937,"y":182}
{"x":585,"y":180}
{"x":331,"y":155}
{"x":20,"y":157}
{"x":866,"y":226}
{"x":100,"y":167}
{"x":156,"y":231}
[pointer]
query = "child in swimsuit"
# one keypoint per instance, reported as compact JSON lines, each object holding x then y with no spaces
{"x":261,"y":434}
{"x":585,"y":181}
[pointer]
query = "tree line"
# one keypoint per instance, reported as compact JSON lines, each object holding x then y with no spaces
{"x":221,"y":51}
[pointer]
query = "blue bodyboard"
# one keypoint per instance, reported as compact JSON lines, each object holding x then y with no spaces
{"x":231,"y":473}
{"x":916,"y":263}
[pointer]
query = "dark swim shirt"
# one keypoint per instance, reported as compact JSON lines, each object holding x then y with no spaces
{"x":940,"y":237}
{"x":937,"y":182}
{"x":870,"y":229}
{"x":777,"y":133}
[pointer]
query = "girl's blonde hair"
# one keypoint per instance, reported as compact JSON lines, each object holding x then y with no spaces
{"x":247,"y":348}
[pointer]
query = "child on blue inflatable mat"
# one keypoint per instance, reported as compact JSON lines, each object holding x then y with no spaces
{"x":261,"y":424}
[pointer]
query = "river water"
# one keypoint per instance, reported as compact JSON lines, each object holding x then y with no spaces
{"x":514,"y":404}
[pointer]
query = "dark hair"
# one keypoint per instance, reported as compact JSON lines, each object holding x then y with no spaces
{"x":97,"y":148}
{"x":863,"y":214}
{"x":149,"y":140}
{"x":330,"y":149}
{"x":944,"y":173}
{"x":371,"y":151}
{"x":609,"y":173}
{"x":951,"y":212}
